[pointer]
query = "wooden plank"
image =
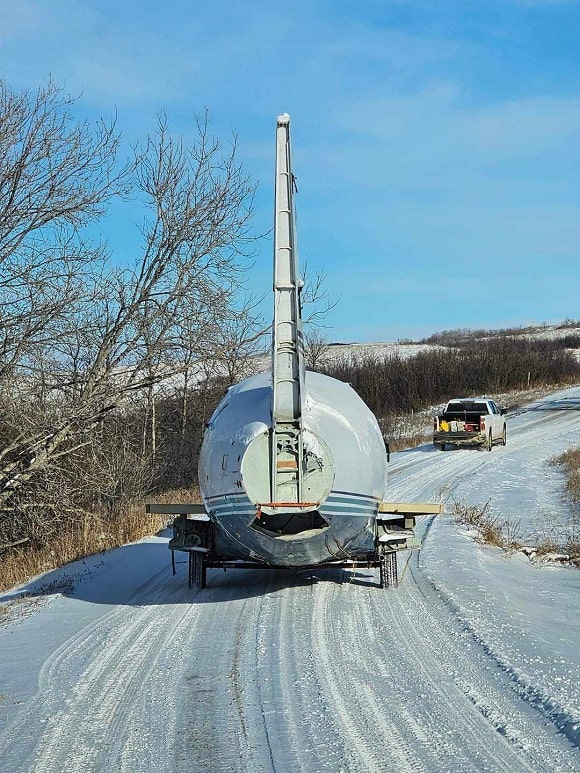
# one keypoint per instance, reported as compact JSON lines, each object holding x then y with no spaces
{"x":394,"y":536}
{"x":181,"y":509}
{"x":196,"y":549}
{"x":412,"y":508}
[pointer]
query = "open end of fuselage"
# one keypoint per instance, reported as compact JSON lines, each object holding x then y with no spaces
{"x":289,"y":525}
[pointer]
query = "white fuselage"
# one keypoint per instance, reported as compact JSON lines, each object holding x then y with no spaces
{"x":343,"y":476}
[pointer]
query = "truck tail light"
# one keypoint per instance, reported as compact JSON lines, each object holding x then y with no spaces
{"x":482,"y":424}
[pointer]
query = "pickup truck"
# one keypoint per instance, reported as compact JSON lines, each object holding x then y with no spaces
{"x":473,"y":421}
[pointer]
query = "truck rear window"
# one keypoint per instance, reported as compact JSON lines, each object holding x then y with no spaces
{"x":466,"y":406}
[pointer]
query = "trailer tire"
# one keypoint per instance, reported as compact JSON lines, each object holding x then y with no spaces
{"x":442,"y":446}
{"x":388,"y":570}
{"x":197,"y":570}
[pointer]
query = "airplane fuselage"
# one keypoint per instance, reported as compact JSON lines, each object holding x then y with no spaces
{"x":343,"y":476}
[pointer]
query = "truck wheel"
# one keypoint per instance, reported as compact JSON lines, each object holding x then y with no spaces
{"x":197,"y":573}
{"x":388,"y":570}
{"x":490,"y":442}
{"x":504,"y":436}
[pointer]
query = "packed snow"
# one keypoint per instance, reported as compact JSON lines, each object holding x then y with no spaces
{"x":113,"y":664}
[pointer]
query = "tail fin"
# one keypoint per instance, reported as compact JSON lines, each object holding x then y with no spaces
{"x":287,"y":338}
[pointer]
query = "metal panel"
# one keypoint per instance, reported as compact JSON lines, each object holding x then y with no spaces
{"x":287,"y":343}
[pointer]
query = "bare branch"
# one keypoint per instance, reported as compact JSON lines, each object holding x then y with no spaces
{"x":80,"y":338}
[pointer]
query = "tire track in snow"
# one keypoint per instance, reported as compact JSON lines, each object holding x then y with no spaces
{"x":399,"y":712}
{"x":305,"y":736}
{"x":375,"y":748}
{"x":454,"y":732}
{"x":416,"y":662}
{"x":229,"y":725}
{"x":89,"y":687}
{"x":492,"y":690}
{"x":564,"y":718}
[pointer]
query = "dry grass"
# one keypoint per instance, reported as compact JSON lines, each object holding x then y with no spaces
{"x":505,"y":534}
{"x":405,"y":430}
{"x":570,"y":461}
{"x":93,"y":533}
{"x":572,"y":548}
{"x":410,"y":441}
{"x":491,"y":529}
{"x":567,"y":552}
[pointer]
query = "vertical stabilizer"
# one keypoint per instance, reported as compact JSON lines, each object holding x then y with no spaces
{"x":287,"y":342}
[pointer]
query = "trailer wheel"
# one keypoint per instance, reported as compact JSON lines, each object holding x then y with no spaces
{"x":388,"y":569}
{"x":442,"y":447}
{"x":197,"y":570}
{"x":504,"y":436}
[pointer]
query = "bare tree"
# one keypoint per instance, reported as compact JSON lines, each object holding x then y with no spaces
{"x":315,"y":349}
{"x":82,"y":337}
{"x":56,"y":175}
{"x":315,"y":299}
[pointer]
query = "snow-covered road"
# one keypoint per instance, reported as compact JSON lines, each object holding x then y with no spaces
{"x":471,"y":664}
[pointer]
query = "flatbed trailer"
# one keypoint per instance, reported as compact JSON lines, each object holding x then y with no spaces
{"x":193,"y":534}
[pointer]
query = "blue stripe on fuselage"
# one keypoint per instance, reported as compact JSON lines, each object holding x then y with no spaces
{"x":350,"y":517}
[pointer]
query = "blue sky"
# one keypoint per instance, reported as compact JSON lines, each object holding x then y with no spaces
{"x":436,"y":144}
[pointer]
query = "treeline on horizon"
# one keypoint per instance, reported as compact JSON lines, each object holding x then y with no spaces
{"x":392,"y":385}
{"x":463,"y":336}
